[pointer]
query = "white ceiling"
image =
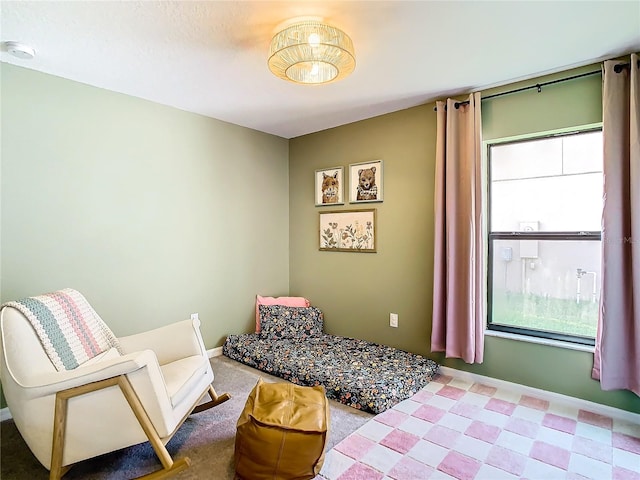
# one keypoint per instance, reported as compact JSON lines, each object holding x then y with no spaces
{"x":210,"y":57}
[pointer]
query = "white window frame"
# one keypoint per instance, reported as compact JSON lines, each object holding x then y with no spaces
{"x":519,"y":333}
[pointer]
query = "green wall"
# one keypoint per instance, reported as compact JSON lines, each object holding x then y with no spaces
{"x":155,"y":213}
{"x":151,"y":212}
{"x":357,"y":291}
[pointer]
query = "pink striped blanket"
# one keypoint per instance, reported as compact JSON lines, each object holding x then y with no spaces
{"x":69,"y":329}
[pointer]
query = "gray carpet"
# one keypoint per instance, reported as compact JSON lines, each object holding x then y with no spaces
{"x":207,"y":438}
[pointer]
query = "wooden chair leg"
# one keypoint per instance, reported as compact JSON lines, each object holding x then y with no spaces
{"x":57,"y":470}
{"x":215,"y":400}
{"x":178,"y":466}
{"x":59,"y":426}
{"x":170,"y":467}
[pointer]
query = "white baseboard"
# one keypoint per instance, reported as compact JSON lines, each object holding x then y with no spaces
{"x":214,"y":352}
{"x":5,"y":414}
{"x":544,"y":395}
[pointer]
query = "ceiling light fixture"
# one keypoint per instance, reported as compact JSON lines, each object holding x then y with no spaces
{"x":311,"y":52}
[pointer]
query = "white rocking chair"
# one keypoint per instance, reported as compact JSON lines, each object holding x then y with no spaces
{"x":137,"y":388}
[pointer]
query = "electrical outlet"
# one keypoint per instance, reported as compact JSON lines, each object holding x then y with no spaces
{"x":194,"y":316}
{"x":393,"y":320}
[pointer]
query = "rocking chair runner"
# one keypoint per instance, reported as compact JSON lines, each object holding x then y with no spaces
{"x":76,"y":391}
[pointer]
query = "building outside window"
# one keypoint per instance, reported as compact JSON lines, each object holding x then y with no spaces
{"x":544,"y":230}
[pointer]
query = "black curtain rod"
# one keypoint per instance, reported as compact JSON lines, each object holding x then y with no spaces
{"x":537,"y":85}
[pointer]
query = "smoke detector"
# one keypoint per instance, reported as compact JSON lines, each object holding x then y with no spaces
{"x":20,"y":50}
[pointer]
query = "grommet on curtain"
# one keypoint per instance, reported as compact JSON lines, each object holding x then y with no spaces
{"x":621,"y":66}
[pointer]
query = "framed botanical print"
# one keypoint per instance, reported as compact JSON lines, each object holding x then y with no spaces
{"x":348,"y":231}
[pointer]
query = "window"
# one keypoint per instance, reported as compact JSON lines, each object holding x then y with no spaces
{"x":545,"y":211}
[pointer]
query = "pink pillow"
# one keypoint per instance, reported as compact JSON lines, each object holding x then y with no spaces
{"x":286,"y":301}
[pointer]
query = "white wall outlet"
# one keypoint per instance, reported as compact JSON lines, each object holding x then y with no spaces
{"x":393,"y":320}
{"x":194,"y":316}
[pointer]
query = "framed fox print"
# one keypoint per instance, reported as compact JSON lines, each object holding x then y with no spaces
{"x":329,"y":186}
{"x":365,"y":182}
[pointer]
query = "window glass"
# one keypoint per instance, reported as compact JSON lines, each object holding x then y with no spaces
{"x":545,"y":198}
{"x":550,"y":185}
{"x":582,"y":153}
{"x":548,"y":285}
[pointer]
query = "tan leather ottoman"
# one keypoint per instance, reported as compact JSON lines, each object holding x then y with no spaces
{"x":282,"y":432}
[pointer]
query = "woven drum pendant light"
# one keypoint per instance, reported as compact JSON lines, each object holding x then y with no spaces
{"x":311,"y":52}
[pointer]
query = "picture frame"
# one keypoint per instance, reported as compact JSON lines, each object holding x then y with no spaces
{"x":366,"y":182}
{"x":329,"y":186}
{"x":348,"y":231}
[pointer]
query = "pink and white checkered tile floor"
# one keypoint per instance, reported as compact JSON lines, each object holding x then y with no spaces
{"x":456,"y":429}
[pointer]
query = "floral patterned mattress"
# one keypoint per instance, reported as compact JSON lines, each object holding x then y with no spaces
{"x":364,"y":375}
